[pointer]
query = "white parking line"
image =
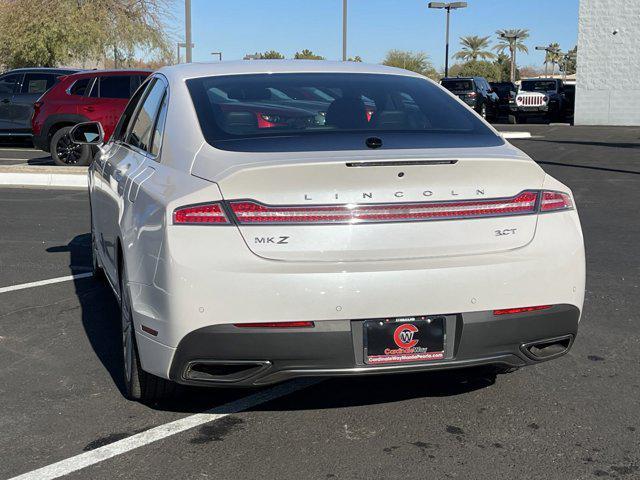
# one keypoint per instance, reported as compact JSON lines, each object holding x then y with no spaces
{"x":22,"y":286}
{"x":35,"y":150}
{"x":83,"y":460}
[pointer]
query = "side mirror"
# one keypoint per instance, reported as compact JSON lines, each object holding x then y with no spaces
{"x":87,"y":133}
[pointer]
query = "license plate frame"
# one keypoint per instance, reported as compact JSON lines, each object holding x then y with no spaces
{"x":417,"y":339}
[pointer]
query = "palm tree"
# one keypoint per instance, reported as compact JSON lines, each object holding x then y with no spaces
{"x":473,"y":47}
{"x":553,"y":57}
{"x":512,"y":39}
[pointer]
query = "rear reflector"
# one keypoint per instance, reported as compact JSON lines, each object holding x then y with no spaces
{"x":209,"y":213}
{"x":552,"y":201}
{"x":275,"y":325}
{"x":250,"y":212}
{"x":149,"y":330}
{"x":510,"y":311}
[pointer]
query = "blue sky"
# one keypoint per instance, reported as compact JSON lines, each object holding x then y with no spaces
{"x":375,"y":26}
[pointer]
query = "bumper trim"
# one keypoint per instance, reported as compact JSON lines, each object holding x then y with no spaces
{"x":334,"y":347}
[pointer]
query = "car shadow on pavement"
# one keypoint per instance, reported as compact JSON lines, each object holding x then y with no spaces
{"x":101,"y":323}
{"x":100,"y":310}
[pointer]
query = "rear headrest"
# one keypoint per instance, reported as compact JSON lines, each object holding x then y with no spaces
{"x":347,"y":113}
{"x":249,"y":94}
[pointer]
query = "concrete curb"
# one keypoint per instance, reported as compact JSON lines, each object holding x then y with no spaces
{"x":508,"y":135}
{"x":30,"y":176}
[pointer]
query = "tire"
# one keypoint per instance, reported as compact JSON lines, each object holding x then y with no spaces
{"x":138,"y":384}
{"x":65,"y":153}
{"x":520,"y":119}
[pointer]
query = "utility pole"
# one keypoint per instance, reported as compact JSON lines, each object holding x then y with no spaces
{"x":344,"y":30}
{"x":448,"y":7}
{"x":187,"y":29}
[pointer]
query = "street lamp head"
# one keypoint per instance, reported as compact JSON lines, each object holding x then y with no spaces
{"x":458,"y":5}
{"x":541,"y":48}
{"x":437,"y":5}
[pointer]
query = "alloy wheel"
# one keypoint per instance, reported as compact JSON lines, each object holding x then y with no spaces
{"x":67,"y":151}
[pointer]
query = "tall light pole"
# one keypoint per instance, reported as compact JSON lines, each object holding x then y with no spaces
{"x":187,"y":29}
{"x":344,"y":30}
{"x":448,"y":7}
{"x":219,"y":54}
{"x":513,"y":40}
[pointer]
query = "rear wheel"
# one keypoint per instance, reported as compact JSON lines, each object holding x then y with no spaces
{"x":138,"y":384}
{"x":66,"y":153}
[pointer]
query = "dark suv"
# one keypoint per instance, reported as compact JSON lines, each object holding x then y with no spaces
{"x":97,"y":95}
{"x":19,"y":89}
{"x":475,"y":92}
{"x":506,"y":92}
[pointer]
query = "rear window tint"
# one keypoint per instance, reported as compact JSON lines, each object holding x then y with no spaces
{"x":117,"y":86}
{"x":458,"y":85}
{"x":80,"y":86}
{"x":35,"y":83}
{"x":538,"y":86}
{"x":251,"y":106}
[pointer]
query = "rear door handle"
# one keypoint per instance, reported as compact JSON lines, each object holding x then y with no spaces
{"x":88,"y":109}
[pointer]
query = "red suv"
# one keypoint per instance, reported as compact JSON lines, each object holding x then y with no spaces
{"x":82,"y":97}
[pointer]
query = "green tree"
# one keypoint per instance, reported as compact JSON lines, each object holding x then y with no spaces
{"x":357,"y":59}
{"x":569,"y":61}
{"x":477,"y":68}
{"x":55,"y":32}
{"x":415,"y":61}
{"x":307,"y":55}
{"x":512,"y":40}
{"x":503,"y":62}
{"x":474,"y":47}
{"x":271,"y":55}
{"x":552,"y":56}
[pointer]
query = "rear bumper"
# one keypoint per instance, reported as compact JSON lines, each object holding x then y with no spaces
{"x":224,"y":355}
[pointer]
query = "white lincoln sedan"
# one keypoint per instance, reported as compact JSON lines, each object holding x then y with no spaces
{"x":265,"y":220}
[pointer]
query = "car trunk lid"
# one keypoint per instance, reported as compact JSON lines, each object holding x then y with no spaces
{"x":393,"y":200}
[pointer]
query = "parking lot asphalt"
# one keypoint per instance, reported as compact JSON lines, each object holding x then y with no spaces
{"x":21,"y":152}
{"x":576,"y":417}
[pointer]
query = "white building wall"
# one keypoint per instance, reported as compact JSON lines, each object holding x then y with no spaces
{"x":608,"y":77}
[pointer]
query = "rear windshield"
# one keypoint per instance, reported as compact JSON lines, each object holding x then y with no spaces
{"x":304,"y":105}
{"x":458,"y":85}
{"x":538,"y":86}
{"x":503,"y":87}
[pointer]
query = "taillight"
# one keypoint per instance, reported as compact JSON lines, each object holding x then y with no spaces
{"x":267,"y":120}
{"x":275,"y":325}
{"x":553,"y":201}
{"x":511,"y":311}
{"x":250,"y":212}
{"x":206,"y":213}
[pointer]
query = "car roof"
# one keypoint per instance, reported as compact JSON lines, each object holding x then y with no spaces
{"x":242,"y":67}
{"x":43,"y":69}
{"x":539,"y":79}
{"x":100,"y":73}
